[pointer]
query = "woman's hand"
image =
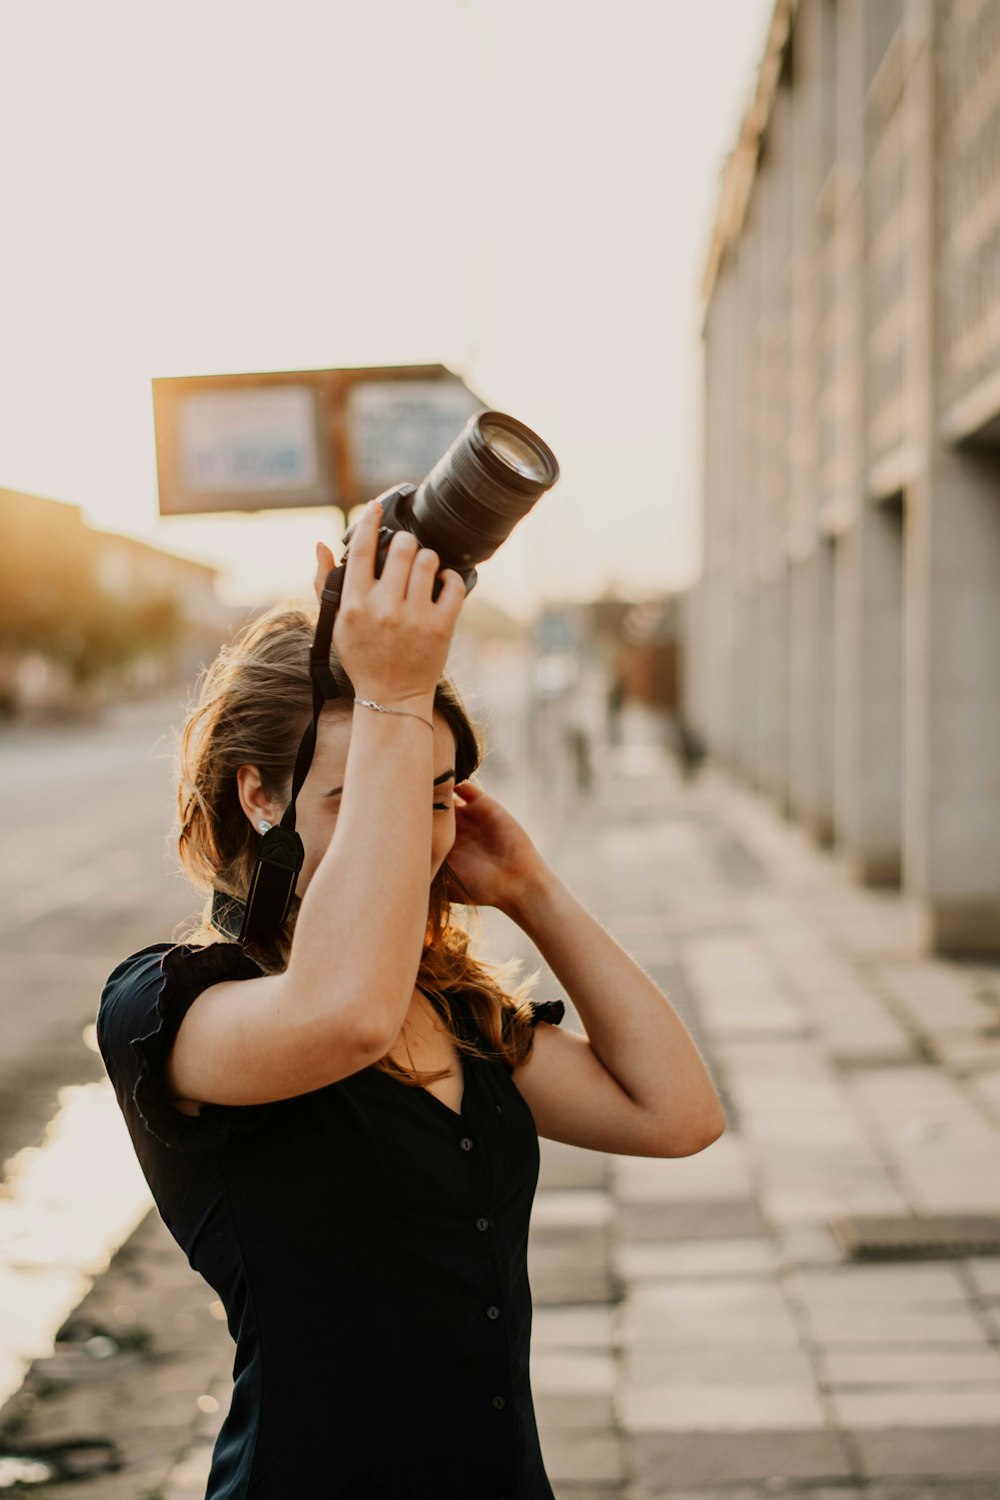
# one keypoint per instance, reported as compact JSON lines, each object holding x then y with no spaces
{"x":325,"y":564}
{"x":492,"y":855}
{"x":390,"y":635}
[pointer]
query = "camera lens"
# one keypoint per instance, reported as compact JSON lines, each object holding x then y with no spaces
{"x":477,"y":492}
{"x":515,"y":451}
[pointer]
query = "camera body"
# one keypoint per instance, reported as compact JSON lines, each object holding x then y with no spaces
{"x":471,"y":500}
{"x":397,"y":515}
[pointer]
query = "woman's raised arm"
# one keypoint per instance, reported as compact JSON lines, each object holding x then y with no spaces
{"x":361,"y":924}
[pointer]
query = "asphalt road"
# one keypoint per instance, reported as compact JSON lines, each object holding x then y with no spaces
{"x":86,"y":877}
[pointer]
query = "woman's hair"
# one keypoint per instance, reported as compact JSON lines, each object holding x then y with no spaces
{"x":251,"y":707}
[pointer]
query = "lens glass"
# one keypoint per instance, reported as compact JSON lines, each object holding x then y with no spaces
{"x":513,"y":450}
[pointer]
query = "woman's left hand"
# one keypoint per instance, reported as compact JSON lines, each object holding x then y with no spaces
{"x":325,"y":563}
{"x":492,"y":855}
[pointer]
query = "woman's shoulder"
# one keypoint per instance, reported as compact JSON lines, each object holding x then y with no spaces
{"x":160,"y":982}
{"x":223,"y":956}
{"x":144,"y":1000}
{"x":177,"y":965}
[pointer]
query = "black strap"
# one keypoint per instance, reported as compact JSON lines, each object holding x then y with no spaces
{"x":281,"y":853}
{"x":280,"y":856}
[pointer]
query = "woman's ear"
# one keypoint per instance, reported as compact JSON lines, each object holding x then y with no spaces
{"x":254,"y":801}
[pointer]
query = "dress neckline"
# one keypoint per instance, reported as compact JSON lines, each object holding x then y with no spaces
{"x":460,"y":1057}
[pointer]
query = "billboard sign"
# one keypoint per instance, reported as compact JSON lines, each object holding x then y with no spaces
{"x":305,"y":438}
{"x":399,"y":429}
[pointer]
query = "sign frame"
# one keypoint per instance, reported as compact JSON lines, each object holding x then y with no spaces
{"x":336,"y":481}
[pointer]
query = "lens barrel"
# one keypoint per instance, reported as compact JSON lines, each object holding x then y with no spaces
{"x":476,"y":493}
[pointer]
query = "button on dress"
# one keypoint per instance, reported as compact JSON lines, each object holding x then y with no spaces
{"x":369,"y":1245}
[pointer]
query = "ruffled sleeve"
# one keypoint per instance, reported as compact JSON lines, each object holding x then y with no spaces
{"x":541,"y":1010}
{"x":142,"y":1006}
{"x":546,"y":1010}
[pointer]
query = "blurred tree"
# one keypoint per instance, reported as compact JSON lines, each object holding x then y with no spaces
{"x":51,"y":602}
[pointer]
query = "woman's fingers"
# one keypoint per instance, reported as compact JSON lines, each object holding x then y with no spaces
{"x":452,"y":596}
{"x":420,"y":583}
{"x":325,"y":563}
{"x":469,"y":791}
{"x":359,"y":575}
{"x":403,"y":548}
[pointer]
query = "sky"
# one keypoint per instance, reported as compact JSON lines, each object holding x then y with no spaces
{"x":522,"y":190}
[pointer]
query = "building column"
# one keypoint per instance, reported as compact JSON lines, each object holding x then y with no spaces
{"x":952,"y":808}
{"x":952,"y":814}
{"x":869,"y":751}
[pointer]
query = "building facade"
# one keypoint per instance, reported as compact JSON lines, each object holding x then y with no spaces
{"x":844,"y":637}
{"x":66,"y":586}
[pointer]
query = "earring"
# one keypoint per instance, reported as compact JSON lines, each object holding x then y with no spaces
{"x":263,"y":827}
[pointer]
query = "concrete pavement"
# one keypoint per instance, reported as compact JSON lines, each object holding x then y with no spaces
{"x":698,"y":1330}
{"x":741,"y":1352}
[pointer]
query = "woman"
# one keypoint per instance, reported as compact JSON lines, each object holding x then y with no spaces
{"x":342,"y":1131}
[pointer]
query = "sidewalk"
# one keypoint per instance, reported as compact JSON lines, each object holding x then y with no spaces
{"x":698,"y":1331}
{"x":721,"y":1342}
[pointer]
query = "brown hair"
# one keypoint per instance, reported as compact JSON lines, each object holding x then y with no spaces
{"x":250,"y":707}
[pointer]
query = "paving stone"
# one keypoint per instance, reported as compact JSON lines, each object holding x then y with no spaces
{"x":564,"y":1166}
{"x":580,"y":1372}
{"x":850,"y":1368}
{"x":572,"y":1456}
{"x":953,"y":1180}
{"x":940,"y":1407}
{"x":189,"y":1478}
{"x":848,"y":1052}
{"x":925,"y":1451}
{"x":696,"y":1219}
{"x":727,"y":1311}
{"x":720,"y":1407}
{"x":643,"y":1261}
{"x":985,"y":1087}
{"x":672,"y":1460}
{"x":765,"y":1489}
{"x":703,"y":1363}
{"x":798,"y":1205}
{"x":982,"y":1488}
{"x":820,"y":1128}
{"x":806,"y":1244}
{"x":565,"y":1491}
{"x":569,"y":1266}
{"x":556,"y":1409}
{"x":893,"y":1323}
{"x":570,"y":1209}
{"x":972,"y":1053}
{"x":881,"y":1284}
{"x":825,"y":1161}
{"x":573,"y":1327}
{"x":721,"y":1171}
{"x":985,"y":1273}
{"x":737,"y":990}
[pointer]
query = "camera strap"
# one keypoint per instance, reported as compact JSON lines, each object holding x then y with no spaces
{"x":280,"y":853}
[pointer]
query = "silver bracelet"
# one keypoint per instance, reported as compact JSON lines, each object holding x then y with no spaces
{"x":367,"y":703}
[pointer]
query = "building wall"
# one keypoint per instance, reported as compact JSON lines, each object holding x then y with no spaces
{"x":847,"y":619}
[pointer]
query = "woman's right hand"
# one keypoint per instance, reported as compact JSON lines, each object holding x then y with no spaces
{"x":391,"y":637}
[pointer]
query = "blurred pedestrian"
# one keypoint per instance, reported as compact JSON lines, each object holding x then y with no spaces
{"x":340,"y":1124}
{"x":613,"y":703}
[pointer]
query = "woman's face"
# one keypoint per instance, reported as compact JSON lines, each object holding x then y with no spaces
{"x":318,"y":803}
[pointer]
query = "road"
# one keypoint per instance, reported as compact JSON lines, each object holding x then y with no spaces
{"x":86,"y":877}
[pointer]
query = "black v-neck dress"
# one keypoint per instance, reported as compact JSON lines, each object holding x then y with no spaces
{"x":369,"y":1246}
